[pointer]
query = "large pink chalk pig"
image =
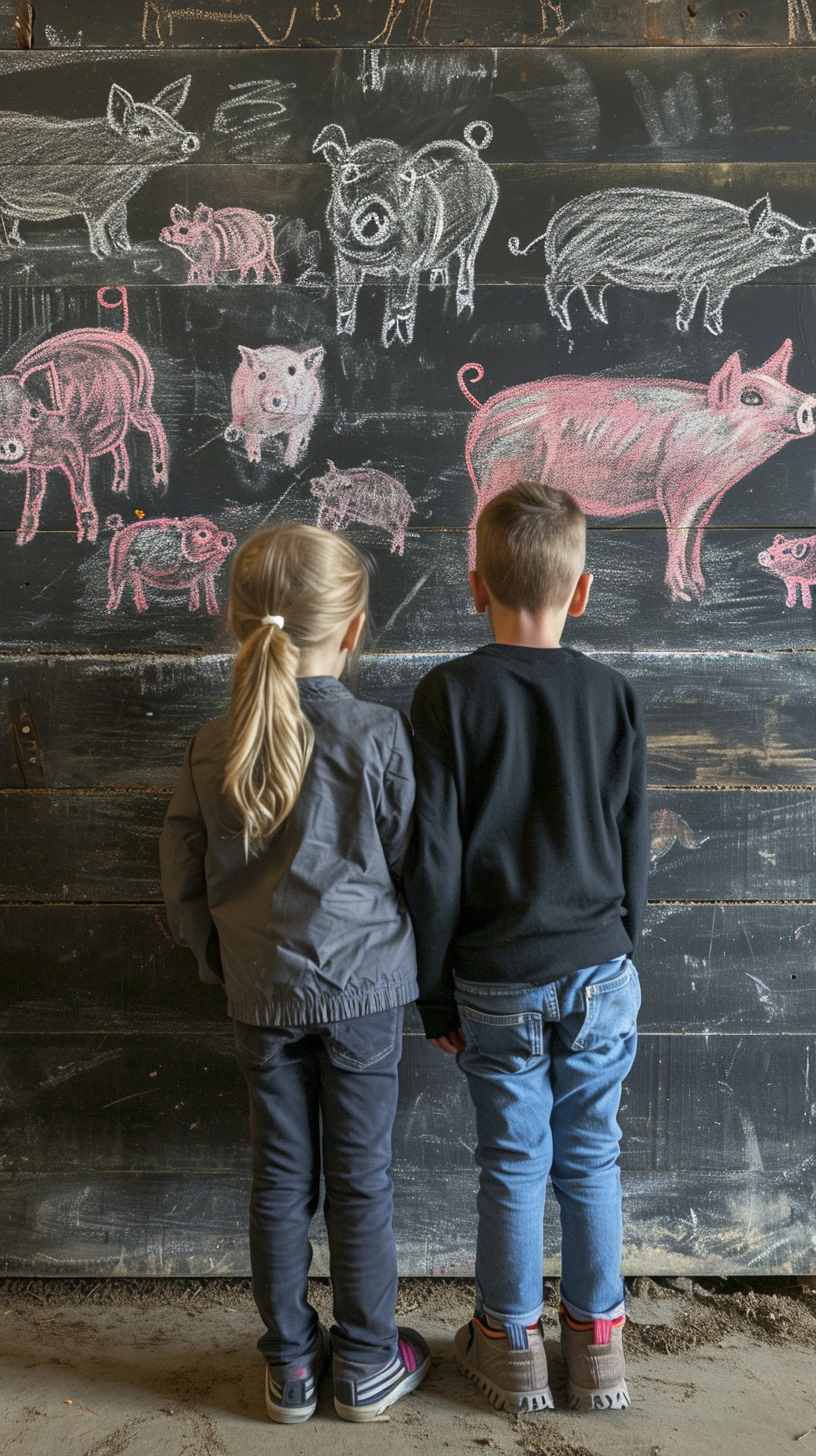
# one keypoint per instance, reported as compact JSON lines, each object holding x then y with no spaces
{"x":168,"y":555}
{"x":625,"y":446}
{"x":72,"y":398}
{"x":275,"y":391}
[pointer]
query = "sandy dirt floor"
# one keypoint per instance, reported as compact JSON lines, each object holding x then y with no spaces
{"x":151,"y":1369}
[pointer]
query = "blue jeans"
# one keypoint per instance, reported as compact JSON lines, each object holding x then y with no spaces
{"x":544,"y":1066}
{"x":324,"y":1093}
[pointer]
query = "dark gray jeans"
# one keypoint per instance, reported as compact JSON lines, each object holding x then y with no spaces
{"x":329,"y":1090}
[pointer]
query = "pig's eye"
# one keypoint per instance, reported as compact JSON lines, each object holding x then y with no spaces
{"x":776,"y":231}
{"x":799,"y":550}
{"x":292,"y":369}
{"x":262,"y":374}
{"x":34,"y":414}
{"x":751,"y":396}
{"x":141,"y":131}
{"x":350,"y":173}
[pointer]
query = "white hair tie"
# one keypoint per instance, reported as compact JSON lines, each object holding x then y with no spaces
{"x":272,"y":622}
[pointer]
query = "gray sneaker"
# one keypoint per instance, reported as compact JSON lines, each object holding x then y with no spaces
{"x":596,"y":1369}
{"x":365,"y":1394}
{"x":513,"y":1380}
{"x":291,"y":1390}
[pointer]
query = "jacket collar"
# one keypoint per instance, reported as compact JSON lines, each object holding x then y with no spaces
{"x":322,"y":687}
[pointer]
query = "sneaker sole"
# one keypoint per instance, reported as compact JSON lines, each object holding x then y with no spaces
{"x":292,"y":1415}
{"x":521,"y":1402}
{"x":377,"y":1411}
{"x":616,"y":1397}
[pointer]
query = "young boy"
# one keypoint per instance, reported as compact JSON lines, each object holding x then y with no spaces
{"x":526,"y":878}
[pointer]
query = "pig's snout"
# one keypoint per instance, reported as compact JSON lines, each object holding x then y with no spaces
{"x":227,"y":542}
{"x":808,"y":245}
{"x":372,"y":223}
{"x":233,"y":433}
{"x":190,"y":144}
{"x":805,"y":421}
{"x":764,"y":558}
{"x":12,"y":449}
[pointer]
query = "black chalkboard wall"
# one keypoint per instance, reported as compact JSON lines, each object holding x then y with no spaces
{"x":607,"y":208}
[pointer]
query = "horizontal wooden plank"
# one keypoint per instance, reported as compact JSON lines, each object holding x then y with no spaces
{"x":177,"y":1103}
{"x":171,"y":1225}
{"x":732,"y":1120}
{"x":604,"y":105}
{"x":446,"y":23}
{"x":122,"y":722}
{"x":726,"y":970}
{"x":56,"y":596}
{"x":101,"y":847}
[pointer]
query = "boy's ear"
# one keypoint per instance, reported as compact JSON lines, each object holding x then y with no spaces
{"x":580,"y":596}
{"x":478,"y":591}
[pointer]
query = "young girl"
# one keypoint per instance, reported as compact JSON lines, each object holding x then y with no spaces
{"x":288,"y":822}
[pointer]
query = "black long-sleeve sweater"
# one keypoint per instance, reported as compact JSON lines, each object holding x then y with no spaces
{"x":530,"y":849}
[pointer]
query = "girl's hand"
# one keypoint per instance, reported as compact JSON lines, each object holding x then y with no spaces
{"x":451,"y":1043}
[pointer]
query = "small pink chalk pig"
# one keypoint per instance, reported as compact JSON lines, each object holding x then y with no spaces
{"x":275,"y":391}
{"x":173,"y":555}
{"x":227,"y":240}
{"x":369,"y":496}
{"x":794,"y":560}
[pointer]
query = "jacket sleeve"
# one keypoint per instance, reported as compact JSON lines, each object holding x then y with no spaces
{"x":433,"y":867}
{"x":633,"y":829}
{"x":182,"y":847}
{"x":396,"y":802}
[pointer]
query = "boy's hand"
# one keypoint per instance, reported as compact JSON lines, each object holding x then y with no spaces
{"x":452,"y":1042}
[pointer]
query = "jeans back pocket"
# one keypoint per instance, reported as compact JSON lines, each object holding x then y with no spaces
{"x":509,"y":1041}
{"x":611,"y":1010}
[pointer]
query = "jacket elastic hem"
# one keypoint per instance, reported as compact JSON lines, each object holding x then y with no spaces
{"x":299,"y":1010}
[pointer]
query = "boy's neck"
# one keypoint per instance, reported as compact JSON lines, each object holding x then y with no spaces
{"x":523,"y":629}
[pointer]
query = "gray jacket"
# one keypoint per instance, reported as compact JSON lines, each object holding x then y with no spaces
{"x":312,"y":929}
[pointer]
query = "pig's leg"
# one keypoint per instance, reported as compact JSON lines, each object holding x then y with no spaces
{"x":296,"y":442}
{"x":97,"y":236}
{"x":121,"y":467}
{"x":394,"y":10}
{"x":195,"y":596}
{"x":558,"y":295}
{"x":79,"y":475}
{"x":793,"y":594}
{"x":688,"y":303}
{"x":115,"y":223}
{"x":715,"y":298}
{"x":13,"y":238}
{"x":805,"y":588}
{"x":149,"y":423}
{"x":400,"y":309}
{"x":594,"y":298}
{"x":440,"y":277}
{"x":349,"y":280}
{"x":209,"y":595}
{"x":138,"y":590}
{"x":35,"y":490}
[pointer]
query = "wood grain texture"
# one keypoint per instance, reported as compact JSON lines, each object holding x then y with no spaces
{"x":112,"y":970}
{"x":123,"y":721}
{"x":607,"y":105}
{"x":448,"y":23}
{"x":76,"y":846}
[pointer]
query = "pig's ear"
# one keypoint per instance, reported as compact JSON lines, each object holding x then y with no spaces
{"x":777,"y":365}
{"x":248,"y":355}
{"x":179,"y":213}
{"x":313,"y":357}
{"x":121,"y":108}
{"x":408,"y":178}
{"x":759,"y":212}
{"x":42,"y":385}
{"x":173,"y":97}
{"x":779,"y":539}
{"x":203,"y":214}
{"x":724,"y":387}
{"x":332,"y":142}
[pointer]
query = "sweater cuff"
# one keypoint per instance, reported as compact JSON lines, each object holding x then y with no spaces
{"x":438,"y":1018}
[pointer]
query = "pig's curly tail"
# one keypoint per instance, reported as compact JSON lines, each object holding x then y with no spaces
{"x":474,"y":372}
{"x":119,"y":300}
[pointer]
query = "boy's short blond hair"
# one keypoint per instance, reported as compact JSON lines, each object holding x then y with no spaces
{"x":531,"y":546}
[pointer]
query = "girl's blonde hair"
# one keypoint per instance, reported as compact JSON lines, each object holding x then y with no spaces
{"x":314,"y":580}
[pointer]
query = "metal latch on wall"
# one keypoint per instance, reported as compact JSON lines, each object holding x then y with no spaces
{"x":27,"y":744}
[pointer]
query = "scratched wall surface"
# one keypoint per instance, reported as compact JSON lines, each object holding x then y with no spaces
{"x":362,"y":264}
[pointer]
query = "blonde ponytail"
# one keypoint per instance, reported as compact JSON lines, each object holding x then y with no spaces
{"x":314,"y":580}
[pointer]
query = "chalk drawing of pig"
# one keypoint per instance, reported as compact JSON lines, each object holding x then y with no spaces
{"x":365,"y":495}
{"x":53,"y":169}
{"x":227,"y":240}
{"x":663,"y":242}
{"x":625,"y":446}
{"x":396,"y":214}
{"x":169,"y":555}
{"x":794,"y":560}
{"x":70,"y":399}
{"x":275,"y":391}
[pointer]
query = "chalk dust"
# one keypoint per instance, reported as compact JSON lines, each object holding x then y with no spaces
{"x":168,"y":1368}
